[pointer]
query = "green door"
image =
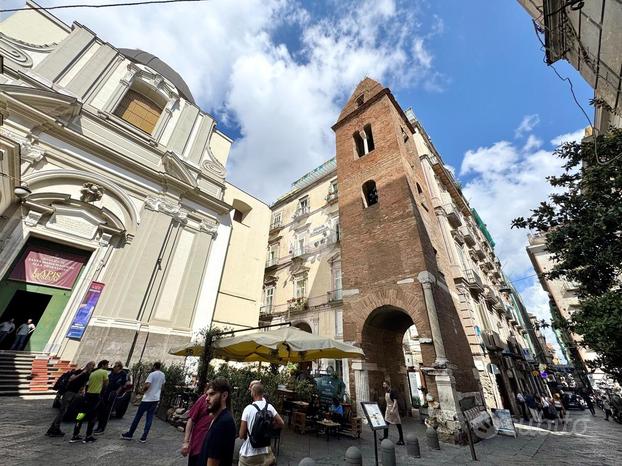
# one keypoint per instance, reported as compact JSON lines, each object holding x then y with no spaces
{"x":43,"y":304}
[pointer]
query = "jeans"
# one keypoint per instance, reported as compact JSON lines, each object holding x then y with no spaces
{"x":148,"y":407}
{"x":399,"y":429}
{"x":19,"y":343}
{"x":91,"y":401}
{"x":65,"y":402}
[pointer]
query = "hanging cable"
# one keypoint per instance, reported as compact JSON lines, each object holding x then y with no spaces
{"x":99,"y":5}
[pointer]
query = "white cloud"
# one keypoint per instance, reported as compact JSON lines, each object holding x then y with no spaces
{"x":532,"y":143}
{"x":283,"y":98}
{"x":496,"y":158}
{"x":527,"y":125}
{"x":575,"y":136}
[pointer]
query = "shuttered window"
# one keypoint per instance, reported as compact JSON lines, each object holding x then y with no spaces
{"x":139,"y":111}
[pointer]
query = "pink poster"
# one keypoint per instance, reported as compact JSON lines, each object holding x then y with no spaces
{"x":42,"y":266}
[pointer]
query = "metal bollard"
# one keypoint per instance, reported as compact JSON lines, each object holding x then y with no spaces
{"x":388,"y":453}
{"x":412,"y":445}
{"x":306,"y":462}
{"x":354,"y":456}
{"x":432,"y":438}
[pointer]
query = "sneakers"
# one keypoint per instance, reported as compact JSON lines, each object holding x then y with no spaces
{"x":98,"y":431}
{"x":75,"y":438}
{"x":126,"y":436}
{"x":55,"y":433}
{"x":400,"y":442}
{"x":89,"y":439}
{"x":143,"y":440}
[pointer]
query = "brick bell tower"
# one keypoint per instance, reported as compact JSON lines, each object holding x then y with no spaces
{"x":392,"y":255}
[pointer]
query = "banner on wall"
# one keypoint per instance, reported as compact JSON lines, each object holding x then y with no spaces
{"x":41,"y":266}
{"x":85,"y":311}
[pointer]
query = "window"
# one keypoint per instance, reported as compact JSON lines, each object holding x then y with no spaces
{"x":139,"y":111}
{"x":370,"y":193}
{"x":360,"y":100}
{"x":300,"y":287}
{"x":338,"y":323}
{"x":419,"y":190}
{"x":334,"y":189}
{"x":359,"y":144}
{"x":369,"y":138}
{"x":268,"y":296}
{"x":237,"y":215}
{"x":303,"y":206}
{"x":276,"y":220}
{"x":273,"y":254}
{"x":298,"y":248}
{"x":336,"y":272}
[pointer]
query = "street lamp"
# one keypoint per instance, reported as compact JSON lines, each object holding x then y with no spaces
{"x":22,"y":192}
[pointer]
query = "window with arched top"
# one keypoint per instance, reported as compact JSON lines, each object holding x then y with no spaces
{"x":141,"y":106}
{"x":370,"y":193}
{"x":369,"y":137}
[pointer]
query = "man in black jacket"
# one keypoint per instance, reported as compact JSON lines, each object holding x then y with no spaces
{"x":77,"y":381}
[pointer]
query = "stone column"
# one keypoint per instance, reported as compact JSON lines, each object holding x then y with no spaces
{"x":361,"y":382}
{"x":427,"y":279}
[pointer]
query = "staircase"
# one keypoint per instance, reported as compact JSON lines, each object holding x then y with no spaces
{"x":30,"y":374}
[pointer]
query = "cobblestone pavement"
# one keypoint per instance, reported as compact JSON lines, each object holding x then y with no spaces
{"x":584,"y":440}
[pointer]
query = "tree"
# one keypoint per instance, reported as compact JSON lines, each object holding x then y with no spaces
{"x":582,"y":221}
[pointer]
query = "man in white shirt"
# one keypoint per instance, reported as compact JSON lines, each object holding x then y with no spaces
{"x":6,"y":328}
{"x":152,"y":390}
{"x":22,"y":335}
{"x":248,"y":454}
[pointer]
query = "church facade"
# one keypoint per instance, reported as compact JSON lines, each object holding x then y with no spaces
{"x":113,"y":223}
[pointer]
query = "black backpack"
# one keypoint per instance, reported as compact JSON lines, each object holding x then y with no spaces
{"x":61,"y":383}
{"x":261,"y":433}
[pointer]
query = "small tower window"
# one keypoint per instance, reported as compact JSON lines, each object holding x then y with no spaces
{"x":359,"y":144}
{"x":360,"y":100}
{"x":369,"y":138}
{"x":370,"y":193}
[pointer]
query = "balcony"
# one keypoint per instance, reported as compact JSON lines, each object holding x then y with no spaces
{"x":569,"y":288}
{"x":276,"y":225}
{"x":473,"y":280}
{"x":297,"y":304}
{"x":300,"y":251}
{"x":272,"y":262}
{"x":335,"y":296}
{"x":457,"y":235}
{"x":300,"y":213}
{"x":468,"y":236}
{"x":265,"y":310}
{"x":453,"y":216}
{"x":477,"y":253}
{"x":332,"y":197}
{"x":492,"y":340}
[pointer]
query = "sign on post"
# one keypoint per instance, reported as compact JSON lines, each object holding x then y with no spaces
{"x":85,"y":311}
{"x":375,"y":420}
{"x":502,"y":418}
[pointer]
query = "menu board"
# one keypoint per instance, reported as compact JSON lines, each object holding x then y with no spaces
{"x":374,"y":416}
{"x":502,"y":419}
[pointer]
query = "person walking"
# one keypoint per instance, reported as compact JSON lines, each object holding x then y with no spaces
{"x":22,"y":335}
{"x":98,"y":381}
{"x":117,"y":380}
{"x":559,"y":406}
{"x":152,"y":391}
{"x":606,"y":407}
{"x":521,"y":402}
{"x":392,"y":415}
{"x":219,"y":442}
{"x":75,"y":384}
{"x":532,"y":405}
{"x":588,"y":401}
{"x":199,"y":421}
{"x":6,"y":328}
{"x":256,"y":429}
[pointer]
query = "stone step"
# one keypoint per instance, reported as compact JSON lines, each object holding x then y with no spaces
{"x":27,"y":394}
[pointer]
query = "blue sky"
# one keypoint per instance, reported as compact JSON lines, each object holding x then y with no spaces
{"x":276,"y":73}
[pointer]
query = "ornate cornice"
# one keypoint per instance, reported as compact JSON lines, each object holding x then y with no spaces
{"x":168,"y":207}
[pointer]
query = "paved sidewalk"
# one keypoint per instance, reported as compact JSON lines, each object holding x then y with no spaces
{"x":585,"y":440}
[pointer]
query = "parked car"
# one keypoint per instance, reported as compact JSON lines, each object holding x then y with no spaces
{"x":573,"y":401}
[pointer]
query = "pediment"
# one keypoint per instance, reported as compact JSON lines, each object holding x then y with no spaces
{"x":176,"y":168}
{"x":52,"y":103}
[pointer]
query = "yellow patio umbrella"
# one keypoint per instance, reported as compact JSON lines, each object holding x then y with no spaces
{"x":280,"y":346}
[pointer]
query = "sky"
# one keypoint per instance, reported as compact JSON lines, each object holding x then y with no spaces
{"x":275,"y":74}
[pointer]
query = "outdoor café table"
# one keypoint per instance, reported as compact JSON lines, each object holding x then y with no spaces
{"x":301,"y":405}
{"x":328,"y":425}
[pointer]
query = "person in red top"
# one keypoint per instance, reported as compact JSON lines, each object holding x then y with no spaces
{"x":199,"y":421}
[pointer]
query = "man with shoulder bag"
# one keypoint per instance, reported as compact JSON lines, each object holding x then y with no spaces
{"x":259,"y":421}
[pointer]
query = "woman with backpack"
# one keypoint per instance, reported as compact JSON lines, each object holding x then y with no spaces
{"x":259,"y":420}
